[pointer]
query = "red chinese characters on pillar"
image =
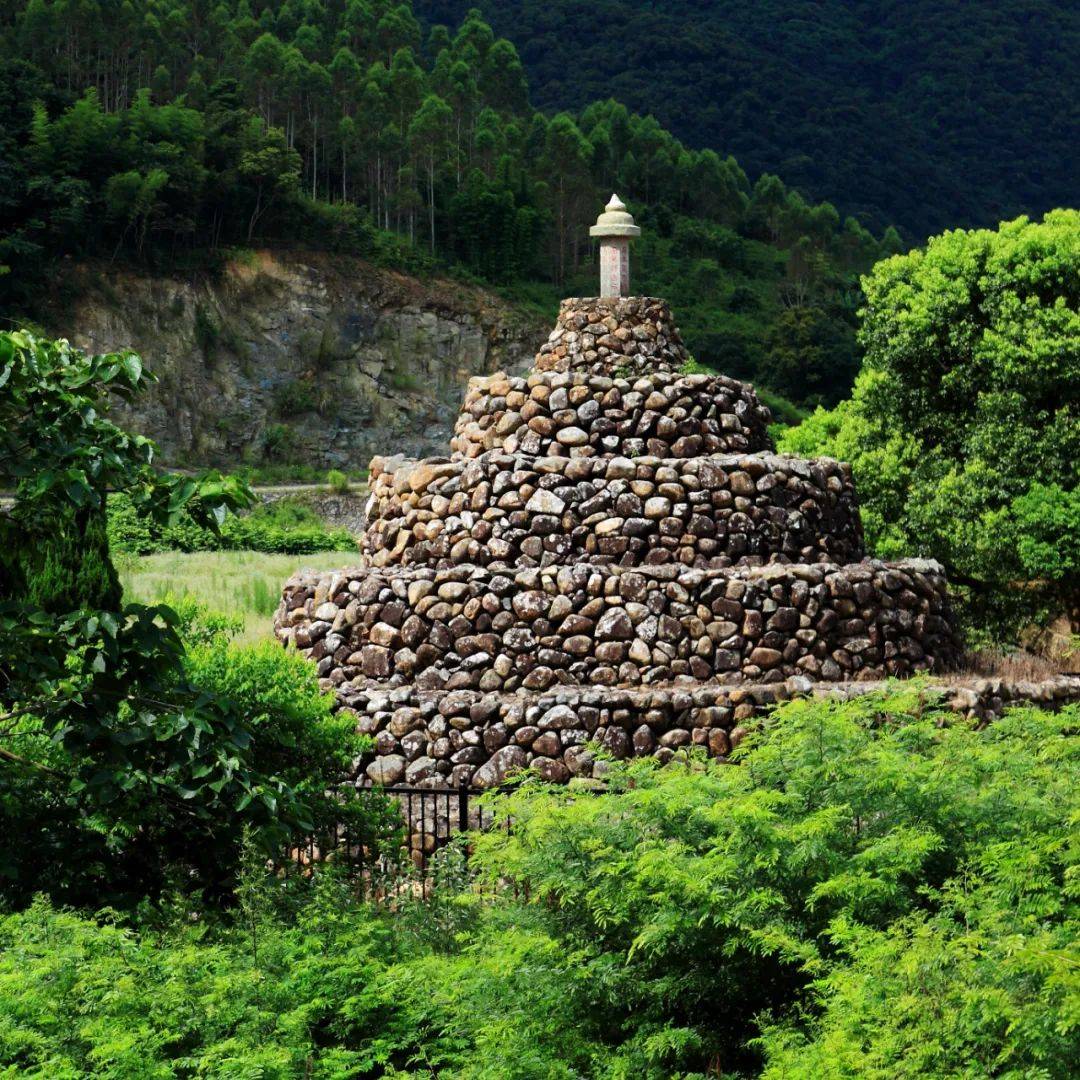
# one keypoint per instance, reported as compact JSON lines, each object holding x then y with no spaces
{"x":614,"y":229}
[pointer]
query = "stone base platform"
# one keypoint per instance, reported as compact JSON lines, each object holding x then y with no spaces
{"x":447,"y":738}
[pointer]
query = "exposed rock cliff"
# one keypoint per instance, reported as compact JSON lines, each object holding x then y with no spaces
{"x":294,"y":357}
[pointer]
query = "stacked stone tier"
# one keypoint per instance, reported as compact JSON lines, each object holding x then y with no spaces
{"x":467,"y":627}
{"x":440,"y":739}
{"x":578,"y":414}
{"x":503,"y":510}
{"x":630,"y":335}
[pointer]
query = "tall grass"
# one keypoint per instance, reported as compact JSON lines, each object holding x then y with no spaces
{"x":242,"y":583}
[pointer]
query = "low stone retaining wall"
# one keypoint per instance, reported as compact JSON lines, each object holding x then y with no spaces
{"x":446,"y":738}
{"x":575,"y":414}
{"x":506,"y":510}
{"x":469,"y":628}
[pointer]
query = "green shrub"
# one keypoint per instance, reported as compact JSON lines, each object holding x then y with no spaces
{"x":286,"y":732}
{"x":278,"y":442}
{"x":296,"y":397}
{"x":197,"y":625}
{"x":405,"y":381}
{"x":693,"y":367}
{"x":277,"y":995}
{"x":296,"y":735}
{"x":61,"y":562}
{"x":337,"y":481}
{"x":874,"y":890}
{"x":292,"y":473}
{"x":285,"y":526}
{"x":884,"y":895}
{"x":207,"y":333}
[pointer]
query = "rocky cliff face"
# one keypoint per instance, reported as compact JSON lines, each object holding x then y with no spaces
{"x":306,"y":358}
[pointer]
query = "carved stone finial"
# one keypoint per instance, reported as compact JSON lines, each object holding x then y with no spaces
{"x":615,"y":227}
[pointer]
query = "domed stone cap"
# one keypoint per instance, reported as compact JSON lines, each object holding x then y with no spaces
{"x":616,"y":336}
{"x":615,"y":220}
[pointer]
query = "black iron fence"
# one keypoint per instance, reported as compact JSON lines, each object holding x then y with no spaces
{"x":397,"y":838}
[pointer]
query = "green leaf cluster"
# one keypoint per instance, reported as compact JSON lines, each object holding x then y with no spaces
{"x":964,"y":426}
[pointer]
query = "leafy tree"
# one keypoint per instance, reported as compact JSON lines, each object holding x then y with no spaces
{"x":810,"y":356}
{"x":269,"y":166}
{"x":566,"y":160}
{"x":963,"y":429}
{"x":429,"y":137}
{"x":502,"y":78}
{"x":115,"y":767}
{"x":134,"y":199}
{"x":264,"y":62}
{"x":397,"y":30}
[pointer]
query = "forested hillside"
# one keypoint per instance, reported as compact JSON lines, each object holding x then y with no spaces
{"x":163,"y":132}
{"x":926,"y":114}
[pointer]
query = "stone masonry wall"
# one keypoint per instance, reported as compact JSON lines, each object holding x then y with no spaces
{"x":469,"y":628}
{"x":446,"y":738}
{"x":505,"y":510}
{"x":577,"y":414}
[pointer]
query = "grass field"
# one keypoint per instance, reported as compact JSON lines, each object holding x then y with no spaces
{"x":243,"y":583}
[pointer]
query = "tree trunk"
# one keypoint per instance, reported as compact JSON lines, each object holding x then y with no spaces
{"x":431,"y":200}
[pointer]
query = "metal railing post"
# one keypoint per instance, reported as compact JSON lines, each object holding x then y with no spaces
{"x":463,"y":805}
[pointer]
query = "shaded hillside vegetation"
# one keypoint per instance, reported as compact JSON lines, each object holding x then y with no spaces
{"x":164,"y":131}
{"x":926,"y":114}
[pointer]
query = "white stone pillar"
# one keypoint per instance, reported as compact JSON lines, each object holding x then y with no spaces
{"x":615,"y":228}
{"x":614,"y":266}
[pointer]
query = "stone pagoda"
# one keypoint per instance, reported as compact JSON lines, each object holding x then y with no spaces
{"x":611,"y":561}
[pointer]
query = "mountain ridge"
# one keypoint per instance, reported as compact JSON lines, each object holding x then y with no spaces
{"x":886,"y":109}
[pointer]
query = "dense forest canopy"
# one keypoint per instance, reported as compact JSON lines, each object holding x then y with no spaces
{"x":925,"y":114}
{"x":156,"y":130}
